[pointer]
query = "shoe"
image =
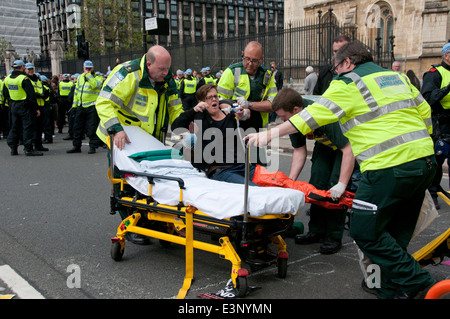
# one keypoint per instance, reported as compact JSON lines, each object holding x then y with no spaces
{"x":330,"y":246}
{"x":137,"y":239}
{"x":33,"y":153}
{"x":372,"y":291}
{"x":309,"y":238}
{"x":74,"y":150}
{"x":68,"y":138}
{"x":42,"y":149}
{"x":14,"y":152}
{"x":436,"y":203}
{"x":91,"y":150}
{"x":47,"y":142}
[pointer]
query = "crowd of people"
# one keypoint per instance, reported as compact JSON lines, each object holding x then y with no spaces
{"x":374,"y":135}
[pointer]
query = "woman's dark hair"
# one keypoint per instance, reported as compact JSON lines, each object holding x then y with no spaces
{"x":203,"y":91}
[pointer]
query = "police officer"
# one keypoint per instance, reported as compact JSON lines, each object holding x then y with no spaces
{"x":41,"y":95}
{"x":87,"y":88}
{"x":19,"y":90}
{"x":436,"y":91}
{"x":71,"y":110}
{"x":388,"y":124}
{"x":207,"y":77}
{"x":188,"y":88}
{"x":64,"y":104}
{"x":121,"y":103}
{"x":251,"y":84}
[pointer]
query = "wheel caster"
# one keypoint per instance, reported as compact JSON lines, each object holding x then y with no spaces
{"x":117,"y":250}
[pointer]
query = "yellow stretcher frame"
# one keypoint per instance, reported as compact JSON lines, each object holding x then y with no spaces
{"x":171,"y":215}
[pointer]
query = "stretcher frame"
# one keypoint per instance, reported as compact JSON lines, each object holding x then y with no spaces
{"x":184,"y":219}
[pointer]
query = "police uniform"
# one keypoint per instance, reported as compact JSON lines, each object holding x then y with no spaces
{"x":436,"y":91}
{"x":388,"y":124}
{"x":64,"y":104}
{"x":235,"y":82}
{"x":87,"y":88}
{"x":188,"y":88}
{"x":19,"y":90}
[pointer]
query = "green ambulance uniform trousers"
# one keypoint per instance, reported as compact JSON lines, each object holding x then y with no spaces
{"x":384,"y":215}
{"x":325,"y":171}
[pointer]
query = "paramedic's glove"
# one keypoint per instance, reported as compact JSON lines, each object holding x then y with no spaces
{"x":242,"y":101}
{"x":337,"y":190}
{"x":243,"y":114}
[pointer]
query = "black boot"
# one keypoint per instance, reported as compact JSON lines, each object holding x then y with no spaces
{"x":74,"y":150}
{"x":33,"y":153}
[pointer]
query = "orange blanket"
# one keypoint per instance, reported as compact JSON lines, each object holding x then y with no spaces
{"x":263,"y":177}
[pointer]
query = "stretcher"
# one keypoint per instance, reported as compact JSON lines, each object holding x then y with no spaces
{"x":169,"y":200}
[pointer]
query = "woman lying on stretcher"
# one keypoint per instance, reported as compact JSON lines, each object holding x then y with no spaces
{"x":219,"y":150}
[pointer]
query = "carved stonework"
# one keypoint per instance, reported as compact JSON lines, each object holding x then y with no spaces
{"x":56,"y":50}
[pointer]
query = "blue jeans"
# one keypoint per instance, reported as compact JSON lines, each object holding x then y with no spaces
{"x":234,"y":174}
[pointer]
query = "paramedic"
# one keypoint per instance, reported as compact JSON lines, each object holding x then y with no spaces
{"x":332,"y":166}
{"x":223,"y":160}
{"x":143,"y":93}
{"x":388,"y":124}
{"x":252,"y":85}
{"x":436,"y":91}
{"x":19,"y":91}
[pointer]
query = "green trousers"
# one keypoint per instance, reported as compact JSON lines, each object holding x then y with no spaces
{"x":325,"y":171}
{"x":384,"y":215}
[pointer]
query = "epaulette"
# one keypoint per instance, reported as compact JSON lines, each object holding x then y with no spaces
{"x":132,"y":66}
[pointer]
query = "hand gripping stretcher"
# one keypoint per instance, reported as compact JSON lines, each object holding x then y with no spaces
{"x":170,"y":200}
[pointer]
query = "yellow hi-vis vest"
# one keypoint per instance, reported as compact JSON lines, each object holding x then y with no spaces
{"x":445,"y":74}
{"x":65,"y":87}
{"x":128,"y":98}
{"x":190,"y":85}
{"x":235,"y":82}
{"x":39,"y":89}
{"x":86,"y":90}
{"x":384,"y":117}
{"x":16,"y":91}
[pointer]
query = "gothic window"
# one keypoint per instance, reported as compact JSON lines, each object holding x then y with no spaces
{"x":380,"y":23}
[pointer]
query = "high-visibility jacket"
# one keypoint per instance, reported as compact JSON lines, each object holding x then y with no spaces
{"x":384,"y":117}
{"x":235,"y":82}
{"x":15,"y":89}
{"x":445,"y":74}
{"x":87,"y":88}
{"x":2,"y":99}
{"x":129,"y":98}
{"x":209,"y":79}
{"x":190,"y":85}
{"x":64,"y":87}
{"x":39,"y":90}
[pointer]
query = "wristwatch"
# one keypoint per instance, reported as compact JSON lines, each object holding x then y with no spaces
{"x":250,"y":104}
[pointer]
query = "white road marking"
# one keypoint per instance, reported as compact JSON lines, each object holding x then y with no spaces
{"x":17,"y":284}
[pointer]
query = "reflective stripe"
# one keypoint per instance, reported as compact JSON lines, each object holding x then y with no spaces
{"x":272,"y":90}
{"x":112,"y":97}
{"x":364,"y":90}
{"x":333,"y":107}
{"x":224,"y":91}
{"x":393,"y":142}
{"x":428,"y":122}
{"x":366,"y":117}
{"x":175,"y":102}
{"x":309,"y":120}
{"x":112,"y":122}
{"x":270,"y":98}
{"x":237,"y":76}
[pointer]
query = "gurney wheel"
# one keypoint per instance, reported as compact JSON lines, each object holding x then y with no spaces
{"x":117,"y":251}
{"x":241,"y":286}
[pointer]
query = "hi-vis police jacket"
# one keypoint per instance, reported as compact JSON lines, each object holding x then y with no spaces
{"x":235,"y":82}
{"x":87,"y":88}
{"x":128,"y":98}
{"x":385,"y":118}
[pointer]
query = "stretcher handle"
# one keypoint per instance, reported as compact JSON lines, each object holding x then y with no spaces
{"x":151,"y":177}
{"x":247,"y":177}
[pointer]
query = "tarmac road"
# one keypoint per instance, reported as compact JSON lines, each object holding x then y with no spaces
{"x":55,"y":224}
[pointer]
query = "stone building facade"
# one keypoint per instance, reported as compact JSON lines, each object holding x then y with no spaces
{"x":420,"y":27}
